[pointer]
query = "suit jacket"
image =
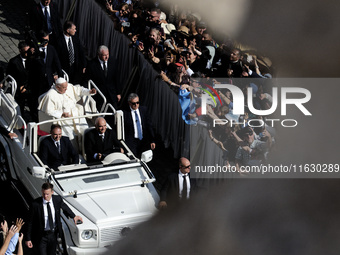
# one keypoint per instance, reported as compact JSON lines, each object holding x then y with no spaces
{"x":76,"y":70}
{"x":170,"y":189}
{"x":108,"y":85}
{"x":50,"y":156}
{"x":36,"y":223}
{"x":41,"y":73}
{"x":38,"y":22}
{"x":95,"y":144}
{"x":148,"y":134}
{"x":17,"y":70}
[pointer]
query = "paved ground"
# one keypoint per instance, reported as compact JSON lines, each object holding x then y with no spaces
{"x":12,"y":27}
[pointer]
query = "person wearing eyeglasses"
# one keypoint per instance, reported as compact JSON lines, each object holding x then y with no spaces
{"x":139,"y":135}
{"x":178,"y":186}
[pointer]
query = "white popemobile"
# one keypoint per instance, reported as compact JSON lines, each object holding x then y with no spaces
{"x":112,"y":197}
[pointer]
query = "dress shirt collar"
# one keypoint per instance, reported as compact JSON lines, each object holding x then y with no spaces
{"x":23,"y":60}
{"x":102,"y":62}
{"x":132,"y":110}
{"x":45,"y":201}
{"x":44,"y":48}
{"x":55,"y":140}
{"x":43,"y":7}
{"x":181,"y":174}
{"x":67,"y":38}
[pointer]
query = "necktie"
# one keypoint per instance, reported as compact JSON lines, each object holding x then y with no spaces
{"x":50,"y":219}
{"x":185,"y":188}
{"x":139,"y":127}
{"x":102,"y":137}
{"x":46,"y":14}
{"x":105,"y":69}
{"x":70,"y":51}
{"x":47,"y":17}
{"x":58,"y":146}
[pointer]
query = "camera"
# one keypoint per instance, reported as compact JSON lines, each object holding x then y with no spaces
{"x":34,"y":43}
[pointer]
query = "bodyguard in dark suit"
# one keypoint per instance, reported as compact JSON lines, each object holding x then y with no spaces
{"x":100,"y":142}
{"x":137,"y":138}
{"x":17,"y":69}
{"x":102,"y":70}
{"x":45,"y":16}
{"x":43,"y":66}
{"x":17,"y":66}
{"x":178,"y":187}
{"x":44,"y":222}
{"x":71,"y":54}
{"x":57,"y":150}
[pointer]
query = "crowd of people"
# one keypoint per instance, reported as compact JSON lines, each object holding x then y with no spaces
{"x":181,"y":47}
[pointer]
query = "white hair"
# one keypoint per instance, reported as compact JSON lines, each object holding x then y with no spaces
{"x":102,"y":48}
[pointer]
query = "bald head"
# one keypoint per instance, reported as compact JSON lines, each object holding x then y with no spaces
{"x":184,"y":165}
{"x":100,"y":125}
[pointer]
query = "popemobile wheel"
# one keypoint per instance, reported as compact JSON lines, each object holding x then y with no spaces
{"x":4,"y":169}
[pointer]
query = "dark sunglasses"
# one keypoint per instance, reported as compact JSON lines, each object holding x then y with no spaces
{"x":135,"y":103}
{"x":186,"y":166}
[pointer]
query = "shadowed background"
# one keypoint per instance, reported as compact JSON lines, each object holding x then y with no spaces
{"x":267,"y":216}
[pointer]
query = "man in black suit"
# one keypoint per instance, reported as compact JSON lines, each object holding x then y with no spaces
{"x":45,"y":16}
{"x":44,"y":66}
{"x":100,"y":142}
{"x":178,"y":186}
{"x":139,"y":134}
{"x":102,"y":70}
{"x":71,"y":53}
{"x":57,"y":150}
{"x":17,"y":69}
{"x":43,"y":69}
{"x":44,"y":223}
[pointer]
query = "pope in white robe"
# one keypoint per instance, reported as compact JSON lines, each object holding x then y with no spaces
{"x":61,"y":101}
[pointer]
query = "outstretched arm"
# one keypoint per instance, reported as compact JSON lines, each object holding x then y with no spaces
{"x":8,"y":238}
{"x":20,"y":249}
